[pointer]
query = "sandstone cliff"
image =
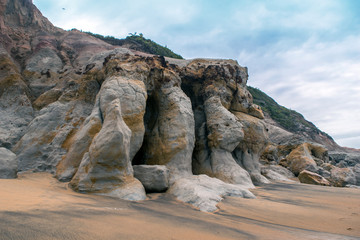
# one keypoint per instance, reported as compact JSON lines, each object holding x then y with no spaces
{"x":88,"y":112}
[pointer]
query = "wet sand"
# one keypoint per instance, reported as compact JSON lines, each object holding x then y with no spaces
{"x":37,"y":206}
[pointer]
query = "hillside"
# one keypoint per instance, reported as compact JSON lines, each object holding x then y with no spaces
{"x":290,"y":120}
{"x":138,"y":43}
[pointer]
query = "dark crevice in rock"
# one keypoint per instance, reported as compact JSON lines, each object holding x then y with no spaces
{"x":192,"y":87}
{"x":150,"y":118}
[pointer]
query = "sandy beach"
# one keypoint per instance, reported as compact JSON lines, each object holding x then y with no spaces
{"x":37,"y":206}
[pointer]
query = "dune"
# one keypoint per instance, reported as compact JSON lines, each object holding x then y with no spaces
{"x":37,"y":206}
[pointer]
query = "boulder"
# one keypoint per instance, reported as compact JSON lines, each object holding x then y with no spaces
{"x":356,"y":171}
{"x":8,"y":163}
{"x":312,"y":178}
{"x":300,"y":159}
{"x":277,"y":173}
{"x":344,"y":159}
{"x":155,"y":178}
{"x":340,"y":177}
{"x":204,"y":192}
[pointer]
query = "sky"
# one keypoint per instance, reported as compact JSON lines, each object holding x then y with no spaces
{"x":303,"y":53}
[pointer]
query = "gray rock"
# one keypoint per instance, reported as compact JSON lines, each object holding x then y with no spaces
{"x":16,"y":110}
{"x":43,"y":145}
{"x":277,"y":173}
{"x":325,"y":173}
{"x":44,"y":60}
{"x":356,"y":171}
{"x":79,"y":145}
{"x":340,"y":177}
{"x":155,"y":178}
{"x":204,"y":192}
{"x":224,"y":133}
{"x":8,"y":164}
{"x":343,"y":159}
{"x":98,"y":59}
{"x":281,"y":170}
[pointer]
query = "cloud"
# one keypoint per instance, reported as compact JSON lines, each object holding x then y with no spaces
{"x":118,"y":18}
{"x":318,"y":79}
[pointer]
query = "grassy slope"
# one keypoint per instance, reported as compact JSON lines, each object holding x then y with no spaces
{"x":286,"y":118}
{"x":138,"y":42}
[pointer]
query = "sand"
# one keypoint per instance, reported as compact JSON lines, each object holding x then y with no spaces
{"x":37,"y":206}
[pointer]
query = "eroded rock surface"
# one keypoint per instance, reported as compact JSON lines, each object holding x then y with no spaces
{"x":8,"y":164}
{"x":88,"y":111}
{"x":106,"y":169}
{"x":155,"y":178}
{"x":312,"y":178}
{"x":205,"y":192}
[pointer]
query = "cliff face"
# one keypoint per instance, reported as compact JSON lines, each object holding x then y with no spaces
{"x":87,"y":111}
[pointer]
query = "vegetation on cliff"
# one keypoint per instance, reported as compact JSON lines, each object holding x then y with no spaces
{"x":286,"y":118}
{"x":140,"y":43}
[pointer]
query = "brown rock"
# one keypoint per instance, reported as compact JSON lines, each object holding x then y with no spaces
{"x":312,"y":178}
{"x":300,"y":159}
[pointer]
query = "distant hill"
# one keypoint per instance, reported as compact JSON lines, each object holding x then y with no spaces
{"x":138,"y":43}
{"x":288,"y":119}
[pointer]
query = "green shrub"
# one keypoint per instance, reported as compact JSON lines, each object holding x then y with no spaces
{"x":139,"y":43}
{"x":286,"y":118}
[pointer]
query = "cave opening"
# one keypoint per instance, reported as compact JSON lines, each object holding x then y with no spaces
{"x":150,"y":118}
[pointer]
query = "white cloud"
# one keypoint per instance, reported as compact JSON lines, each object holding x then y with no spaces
{"x":278,"y":14}
{"x":319,"y":80}
{"x":118,"y":18}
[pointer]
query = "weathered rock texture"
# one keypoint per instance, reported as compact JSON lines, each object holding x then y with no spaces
{"x":155,"y":178}
{"x":312,"y":178}
{"x":87,"y":111}
{"x":205,"y":192}
{"x":8,"y":164}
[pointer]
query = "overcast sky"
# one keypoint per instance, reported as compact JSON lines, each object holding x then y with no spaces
{"x":303,"y":53}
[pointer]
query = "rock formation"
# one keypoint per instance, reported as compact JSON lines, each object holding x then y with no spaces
{"x":91,"y":113}
{"x":8,"y":164}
